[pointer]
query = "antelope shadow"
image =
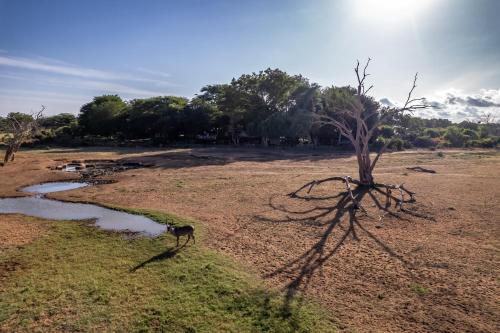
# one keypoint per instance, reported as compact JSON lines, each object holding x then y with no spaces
{"x":169,"y":253}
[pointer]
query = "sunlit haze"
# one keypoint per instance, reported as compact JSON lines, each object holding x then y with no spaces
{"x":62,"y":53}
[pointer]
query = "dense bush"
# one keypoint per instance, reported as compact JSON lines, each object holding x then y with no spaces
{"x":432,"y":132}
{"x":57,"y":121}
{"x":485,"y":143}
{"x":455,"y":136}
{"x":102,"y":115}
{"x":471,"y":134}
{"x":386,"y":131}
{"x":397,"y":144}
{"x":424,"y":142}
{"x":3,"y":124}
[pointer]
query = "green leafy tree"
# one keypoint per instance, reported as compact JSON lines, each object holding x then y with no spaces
{"x":3,"y":124}
{"x":157,"y":117}
{"x":259,"y":103}
{"x":199,"y":117}
{"x":432,"y":132}
{"x":59,"y":120}
{"x":230,"y":103}
{"x":101,"y":116}
{"x":455,"y":136}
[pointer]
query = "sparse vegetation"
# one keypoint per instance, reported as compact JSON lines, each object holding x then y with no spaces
{"x":77,"y":277}
{"x":419,"y":289}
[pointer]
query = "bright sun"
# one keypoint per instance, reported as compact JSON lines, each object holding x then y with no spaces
{"x":390,"y":10}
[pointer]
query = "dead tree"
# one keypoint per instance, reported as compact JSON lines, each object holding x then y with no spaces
{"x":22,"y":130}
{"x":352,"y":119}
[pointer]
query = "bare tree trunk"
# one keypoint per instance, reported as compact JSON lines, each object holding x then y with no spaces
{"x":21,"y":131}
{"x":8,"y":154}
{"x":364,"y":168}
{"x":14,"y":151}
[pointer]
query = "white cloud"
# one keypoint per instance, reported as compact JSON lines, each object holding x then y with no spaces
{"x":55,"y":66}
{"x":153,"y":72}
{"x":386,"y":102}
{"x":25,"y":83}
{"x":456,"y":105}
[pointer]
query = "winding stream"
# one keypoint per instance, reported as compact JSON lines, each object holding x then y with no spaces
{"x":108,"y":219}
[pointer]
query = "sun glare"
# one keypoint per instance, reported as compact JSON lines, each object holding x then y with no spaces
{"x":390,"y":10}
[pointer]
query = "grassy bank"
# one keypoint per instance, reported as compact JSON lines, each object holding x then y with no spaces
{"x":79,"y":278}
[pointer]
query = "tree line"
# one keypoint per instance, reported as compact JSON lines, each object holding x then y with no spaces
{"x":270,"y":107}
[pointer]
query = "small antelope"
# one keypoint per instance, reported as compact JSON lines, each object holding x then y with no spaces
{"x":181,"y":231}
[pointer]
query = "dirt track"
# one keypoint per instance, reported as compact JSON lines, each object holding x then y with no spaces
{"x":433,"y":269}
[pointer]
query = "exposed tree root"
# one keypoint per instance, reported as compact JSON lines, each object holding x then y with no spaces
{"x":420,"y":169}
{"x":347,"y":180}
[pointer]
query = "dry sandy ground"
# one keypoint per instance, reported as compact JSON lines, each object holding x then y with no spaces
{"x":431,"y":268}
{"x":16,"y":230}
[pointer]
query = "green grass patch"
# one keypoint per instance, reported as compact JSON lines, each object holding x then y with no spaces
{"x":180,"y":184}
{"x":80,"y":278}
{"x":419,"y":290}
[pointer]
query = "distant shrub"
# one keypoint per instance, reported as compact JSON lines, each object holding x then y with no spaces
{"x":455,"y":137}
{"x":43,"y":136}
{"x":386,"y":131}
{"x":424,"y":142}
{"x":485,"y":143}
{"x":473,"y":135}
{"x":397,"y":144}
{"x":378,"y":142}
{"x":483,"y":131}
{"x":440,"y":154}
{"x":432,"y":132}
{"x":468,"y":125}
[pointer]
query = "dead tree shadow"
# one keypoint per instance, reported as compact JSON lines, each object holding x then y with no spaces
{"x":347,"y":215}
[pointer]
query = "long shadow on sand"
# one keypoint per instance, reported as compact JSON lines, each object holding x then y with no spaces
{"x":306,"y":265}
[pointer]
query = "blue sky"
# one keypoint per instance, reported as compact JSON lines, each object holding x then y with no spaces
{"x":62,"y":53}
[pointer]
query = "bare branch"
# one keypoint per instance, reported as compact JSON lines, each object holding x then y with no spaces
{"x":409,"y":106}
{"x":361,"y":80}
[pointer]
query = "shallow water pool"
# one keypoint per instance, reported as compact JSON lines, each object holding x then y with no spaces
{"x":108,"y":219}
{"x":53,"y":187}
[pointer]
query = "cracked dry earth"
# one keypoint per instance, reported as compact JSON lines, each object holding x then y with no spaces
{"x":433,"y":267}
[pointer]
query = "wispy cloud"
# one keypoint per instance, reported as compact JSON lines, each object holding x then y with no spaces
{"x":55,"y":66}
{"x":25,"y":63}
{"x":40,"y":80}
{"x":153,"y":72}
